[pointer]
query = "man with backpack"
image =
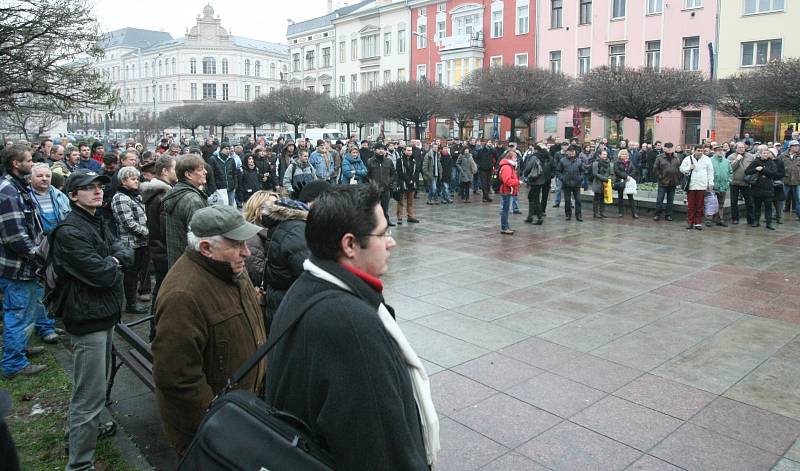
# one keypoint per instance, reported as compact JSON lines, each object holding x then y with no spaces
{"x":532,"y":173}
{"x":88,"y":295}
{"x":299,"y":173}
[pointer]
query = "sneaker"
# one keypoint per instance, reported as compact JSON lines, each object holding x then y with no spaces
{"x":656,"y":218}
{"x":507,"y":231}
{"x":698,"y":227}
{"x":413,"y":220}
{"x":137,"y":309}
{"x":668,"y":218}
{"x":29,"y":370}
{"x":722,"y":224}
{"x":50,"y":338}
{"x":556,"y":205}
{"x":399,"y":222}
{"x":34,"y":351}
{"x":390,"y":224}
{"x":517,"y":212}
{"x":145,"y":297}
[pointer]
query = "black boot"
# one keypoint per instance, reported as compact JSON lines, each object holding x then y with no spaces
{"x":602,"y":210}
{"x":594,"y":209}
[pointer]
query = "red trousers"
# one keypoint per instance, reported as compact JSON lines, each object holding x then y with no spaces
{"x":695,"y":202}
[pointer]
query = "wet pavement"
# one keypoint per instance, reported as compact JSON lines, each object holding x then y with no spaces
{"x":609,"y":344}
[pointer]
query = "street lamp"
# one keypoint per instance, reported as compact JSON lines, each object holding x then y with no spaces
{"x":154,"y":84}
{"x":428,"y":47}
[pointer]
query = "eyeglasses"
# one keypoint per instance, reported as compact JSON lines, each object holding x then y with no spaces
{"x":387,"y":234}
{"x":93,"y":187}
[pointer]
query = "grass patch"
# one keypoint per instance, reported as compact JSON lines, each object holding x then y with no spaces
{"x":40,"y":437}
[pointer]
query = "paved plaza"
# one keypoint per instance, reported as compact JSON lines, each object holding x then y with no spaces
{"x":604,"y":345}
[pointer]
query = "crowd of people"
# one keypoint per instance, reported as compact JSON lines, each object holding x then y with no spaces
{"x":262,"y":226}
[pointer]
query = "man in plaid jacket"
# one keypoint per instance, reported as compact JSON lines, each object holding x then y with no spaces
{"x":19,"y":232}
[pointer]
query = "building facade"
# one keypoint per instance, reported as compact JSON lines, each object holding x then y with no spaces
{"x":575,"y":36}
{"x":751,"y":34}
{"x":152,"y":71}
{"x":372,"y":45}
{"x":453,"y":38}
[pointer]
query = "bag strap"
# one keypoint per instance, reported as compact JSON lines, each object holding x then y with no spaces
{"x":273,"y":340}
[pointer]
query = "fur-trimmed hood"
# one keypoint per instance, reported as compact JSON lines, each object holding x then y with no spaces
{"x":283,"y":211}
{"x":151,"y":189}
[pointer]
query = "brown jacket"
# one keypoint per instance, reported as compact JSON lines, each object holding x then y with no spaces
{"x":792,"y":168}
{"x":739,"y":166}
{"x":668,"y":170}
{"x":207,"y":324}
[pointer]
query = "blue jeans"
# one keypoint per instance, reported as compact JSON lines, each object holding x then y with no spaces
{"x":445,"y":192}
{"x":669,"y":191}
{"x":476,"y":182}
{"x":232,"y":198}
{"x":558,"y":191}
{"x":433,"y":194}
{"x":505,"y":205}
{"x":21,"y":299}
{"x":793,"y":189}
{"x":456,"y":178}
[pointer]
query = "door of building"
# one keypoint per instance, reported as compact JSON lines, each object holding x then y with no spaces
{"x":691,"y":127}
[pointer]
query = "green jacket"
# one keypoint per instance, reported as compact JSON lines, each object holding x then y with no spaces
{"x":180,"y":203}
{"x":722,"y":173}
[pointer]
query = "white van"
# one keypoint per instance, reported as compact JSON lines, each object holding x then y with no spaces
{"x":328,"y":134}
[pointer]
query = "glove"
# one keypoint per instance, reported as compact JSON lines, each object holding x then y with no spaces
{"x":124,"y":255}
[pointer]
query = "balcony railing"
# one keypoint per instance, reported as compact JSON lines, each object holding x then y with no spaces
{"x":461,"y":41}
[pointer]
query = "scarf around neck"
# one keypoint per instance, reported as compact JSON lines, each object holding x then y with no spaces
{"x":416,"y":371}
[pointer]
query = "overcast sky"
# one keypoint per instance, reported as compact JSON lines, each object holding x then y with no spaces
{"x":265,"y":20}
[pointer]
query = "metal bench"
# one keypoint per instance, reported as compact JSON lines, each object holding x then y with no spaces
{"x":133,"y":352}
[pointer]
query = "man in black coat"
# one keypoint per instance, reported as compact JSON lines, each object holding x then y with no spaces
{"x":484,"y":158}
{"x":345,"y":368}
{"x":381,"y":172}
{"x":406,"y":168}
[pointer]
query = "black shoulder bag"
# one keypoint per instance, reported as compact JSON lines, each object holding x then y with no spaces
{"x":241,"y":432}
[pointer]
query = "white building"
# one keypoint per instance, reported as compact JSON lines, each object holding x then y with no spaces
{"x":373,"y":49}
{"x":153,"y":72}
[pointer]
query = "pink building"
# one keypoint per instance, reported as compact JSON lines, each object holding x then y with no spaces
{"x":576,"y":35}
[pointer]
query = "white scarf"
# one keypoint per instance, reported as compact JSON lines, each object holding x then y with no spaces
{"x":419,"y":377}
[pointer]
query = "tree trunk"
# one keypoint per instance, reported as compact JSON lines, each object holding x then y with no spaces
{"x":193,"y":132}
{"x":418,"y":130}
{"x":222,"y":132}
{"x":255,"y":138}
{"x":512,"y":137}
{"x":641,"y":129}
{"x":742,"y":125}
{"x":348,"y":129}
{"x":619,"y":130}
{"x":405,"y":131}
{"x":296,"y":130}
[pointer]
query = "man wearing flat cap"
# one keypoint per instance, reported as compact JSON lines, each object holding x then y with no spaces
{"x":208,"y":322}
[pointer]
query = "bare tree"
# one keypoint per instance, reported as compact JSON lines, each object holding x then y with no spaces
{"x":29,"y":122}
{"x":256,"y":113}
{"x":414,"y":102}
{"x":184,"y":117}
{"x":514,"y":92}
{"x":641,"y":93}
{"x":735,"y":97}
{"x":294,"y":106}
{"x":775,"y":86}
{"x":223,"y":115}
{"x":459,"y":106}
{"x":344,"y":110}
{"x":46,"y":55}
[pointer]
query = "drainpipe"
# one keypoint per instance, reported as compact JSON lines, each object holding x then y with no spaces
{"x":535,"y":123}
{"x":714,"y":57}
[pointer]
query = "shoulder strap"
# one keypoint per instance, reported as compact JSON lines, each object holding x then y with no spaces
{"x":273,"y":340}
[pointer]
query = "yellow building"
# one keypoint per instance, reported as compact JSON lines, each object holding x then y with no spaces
{"x":752,"y":33}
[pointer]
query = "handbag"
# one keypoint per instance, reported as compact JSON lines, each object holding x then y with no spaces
{"x":608,"y":195}
{"x":751,"y":179}
{"x":619,"y":185}
{"x":688,"y":180}
{"x":265,"y":437}
{"x":630,"y":187}
{"x":710,"y":203}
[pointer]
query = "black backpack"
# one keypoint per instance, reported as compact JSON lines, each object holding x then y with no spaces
{"x":54,"y":291}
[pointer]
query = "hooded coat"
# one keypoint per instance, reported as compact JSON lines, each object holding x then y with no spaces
{"x":180,"y":203}
{"x":153,"y":193}
{"x":286,"y":249}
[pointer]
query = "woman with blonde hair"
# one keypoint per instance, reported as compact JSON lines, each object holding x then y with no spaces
{"x":253,"y":210}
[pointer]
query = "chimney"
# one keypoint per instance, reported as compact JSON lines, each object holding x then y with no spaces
{"x":330,"y":6}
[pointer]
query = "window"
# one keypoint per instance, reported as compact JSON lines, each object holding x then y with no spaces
{"x":174,"y":66}
{"x":616,"y":55}
{"x":224,"y":66}
{"x":342,"y":85}
{"x":353,"y":83}
{"x":160,"y":93}
{"x":369,"y":46}
{"x":655,"y":6}
{"x":147,"y":93}
{"x":585,"y":12}
{"x":691,"y":53}
{"x":192,"y":66}
{"x":326,"y":57}
{"x":401,"y":75}
{"x":326,"y":88}
{"x":387,"y":44}
{"x":551,"y":123}
{"x":440,"y":7}
{"x":193,"y":95}
{"x":247,"y":93}
{"x":257,"y":91}
{"x":309,"y":59}
{"x":692,"y":4}
{"x":441,"y":28}
{"x":387,"y":76}
{"x":556,"y":13}
{"x":209,"y":65}
{"x":555,"y":61}
{"x":247,"y":66}
{"x":174,"y":92}
{"x":209,"y":91}
{"x":369,"y":81}
{"x":342,"y":52}
{"x":584,"y":60}
{"x":354,"y":49}
{"x":225,"y":91}
{"x":401,"y":41}
{"x":761,"y":52}
{"x":439,"y":72}
{"x":521,"y":60}
{"x":752,"y":7}
{"x":272,"y":70}
{"x":421,"y":39}
{"x":497,"y":19}
{"x":159,"y":68}
{"x":310,"y":88}
{"x":421,"y":12}
{"x":133,"y":71}
{"x":421,"y":71}
{"x":258,"y":68}
{"x":618,"y":8}
{"x":653,"y":55}
{"x":469,"y":24}
{"x":523,"y":17}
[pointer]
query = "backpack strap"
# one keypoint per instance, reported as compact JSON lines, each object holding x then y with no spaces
{"x":273,"y":340}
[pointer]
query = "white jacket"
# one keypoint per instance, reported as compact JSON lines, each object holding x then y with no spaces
{"x":702,"y":175}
